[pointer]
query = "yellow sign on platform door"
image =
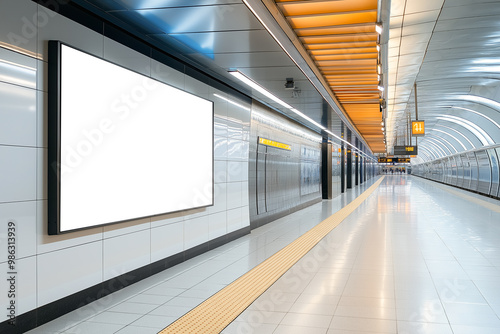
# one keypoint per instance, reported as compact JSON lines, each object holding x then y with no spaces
{"x":273,"y":143}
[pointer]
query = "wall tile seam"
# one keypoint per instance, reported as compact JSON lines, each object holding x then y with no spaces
{"x":67,"y":247}
{"x":21,"y":258}
{"x":124,"y":234}
{"x":23,"y":146}
{"x":23,"y":201}
{"x":20,"y":86}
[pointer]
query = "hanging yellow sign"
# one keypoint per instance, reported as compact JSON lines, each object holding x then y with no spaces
{"x":417,"y":128}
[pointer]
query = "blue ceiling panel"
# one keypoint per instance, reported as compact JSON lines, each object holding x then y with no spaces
{"x":155,"y":4}
{"x":201,"y":19}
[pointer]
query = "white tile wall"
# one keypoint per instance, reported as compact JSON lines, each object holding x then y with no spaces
{"x":220,"y":171}
{"x":17,"y":174}
{"x":16,"y":25}
{"x":136,"y":225}
{"x":244,"y":190}
{"x":220,"y":126}
{"x":23,"y":215}
{"x":237,"y":171}
{"x":41,"y":77}
{"x":234,"y":218}
{"x":236,"y":113}
{"x":245,"y":215}
{"x":53,"y":267}
{"x":220,"y":102}
{"x":25,"y":285}
{"x":166,"y":219}
{"x":167,"y":240}
{"x":195,"y":231}
{"x":196,"y":213}
{"x":66,"y":271}
{"x":217,"y":225}
{"x":125,"y":253}
{"x":18,"y":69}
{"x":220,"y":194}
{"x":41,"y":173}
{"x":234,"y":195}
{"x":41,"y":119}
{"x":50,"y":243}
{"x":220,"y":148}
{"x":234,"y":149}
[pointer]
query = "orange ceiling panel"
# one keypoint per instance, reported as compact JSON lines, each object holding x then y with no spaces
{"x":342,"y":51}
{"x":343,"y":82}
{"x":356,"y":44}
{"x":365,"y":28}
{"x":346,"y":56}
{"x":293,"y":8}
{"x":350,"y":38}
{"x":341,"y":39}
{"x":356,"y":97}
{"x":351,"y":76}
{"x":327,"y":19}
{"x":346,"y":70}
{"x":348,"y":62}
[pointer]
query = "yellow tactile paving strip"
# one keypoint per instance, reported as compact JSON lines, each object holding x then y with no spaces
{"x":215,"y":313}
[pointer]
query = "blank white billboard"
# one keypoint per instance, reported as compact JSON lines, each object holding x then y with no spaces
{"x":129,"y":146}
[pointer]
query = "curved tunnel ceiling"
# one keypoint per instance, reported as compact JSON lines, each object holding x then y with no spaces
{"x":451,"y":50}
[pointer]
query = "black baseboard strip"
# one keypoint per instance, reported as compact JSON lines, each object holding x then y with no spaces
{"x":49,"y":312}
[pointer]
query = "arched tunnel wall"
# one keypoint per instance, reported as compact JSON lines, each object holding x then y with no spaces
{"x":476,"y":170}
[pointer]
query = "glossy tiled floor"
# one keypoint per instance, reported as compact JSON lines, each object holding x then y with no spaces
{"x":413,"y":258}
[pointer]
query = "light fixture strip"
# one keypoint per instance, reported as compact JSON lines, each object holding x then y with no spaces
{"x":243,"y":78}
{"x":240,"y":76}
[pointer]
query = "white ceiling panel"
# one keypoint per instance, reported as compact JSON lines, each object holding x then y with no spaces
{"x":460,"y":39}
{"x":407,"y":70}
{"x":491,"y":22}
{"x":415,"y":29}
{"x":477,"y":10}
{"x":456,"y":3}
{"x":393,"y":52}
{"x":396,"y":22}
{"x":416,"y":39}
{"x":397,"y":8}
{"x":412,"y":59}
{"x":407,"y":47}
{"x":422,"y":17}
{"x":396,"y":32}
{"x":423,"y":6}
